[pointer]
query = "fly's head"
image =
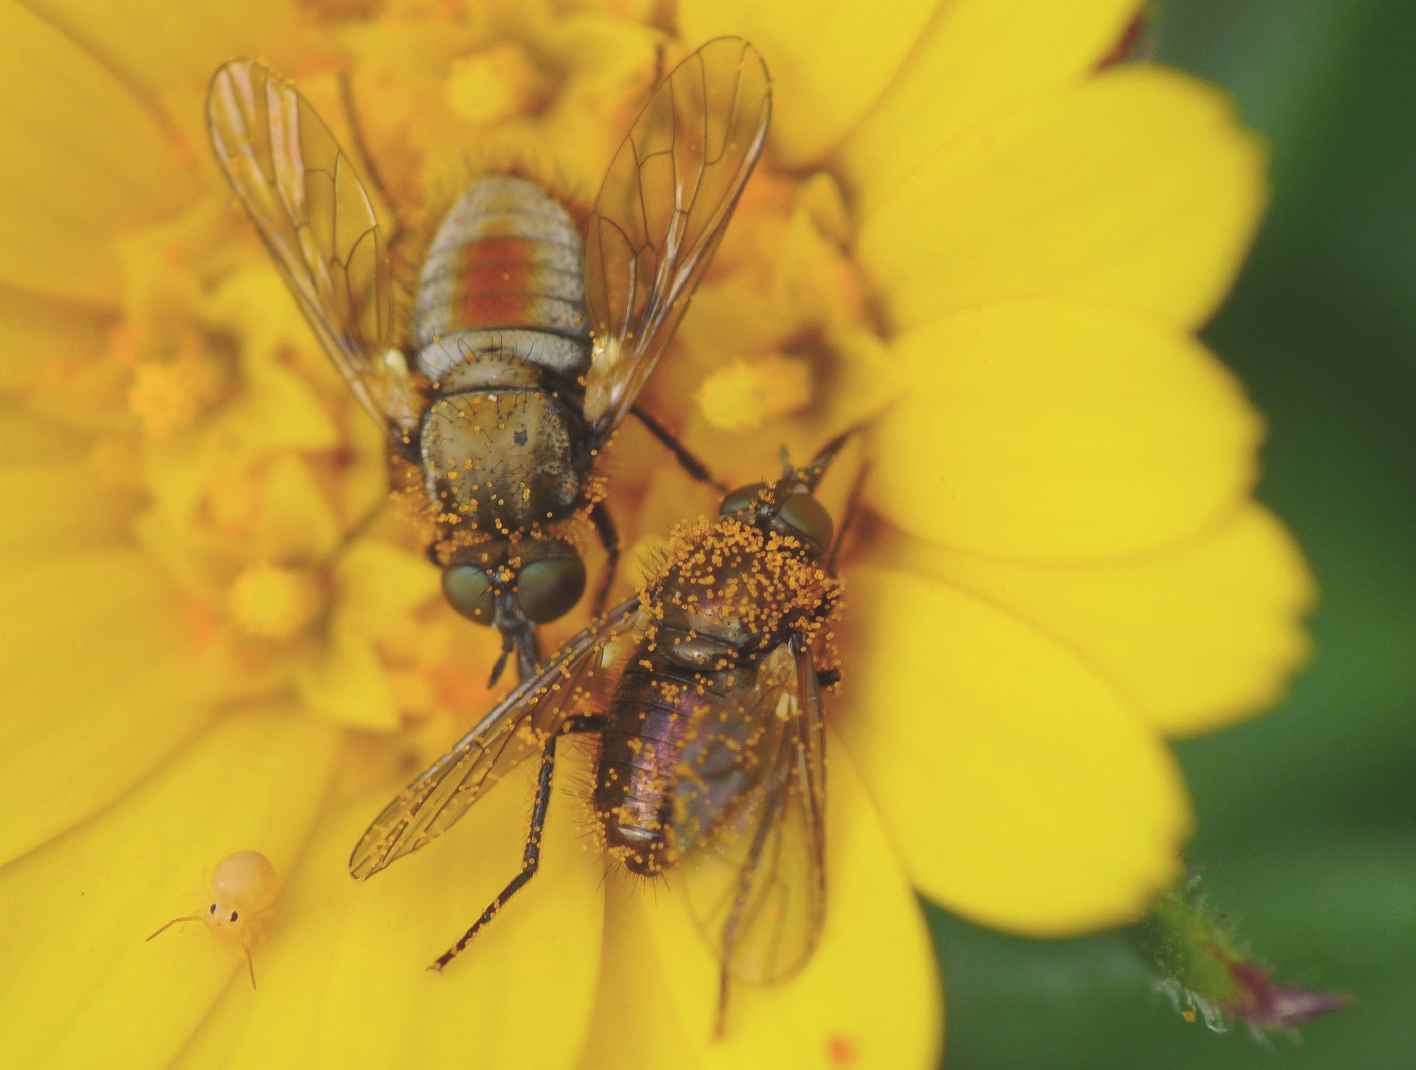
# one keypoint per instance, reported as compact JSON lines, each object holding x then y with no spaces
{"x":787,"y":506}
{"x":513,"y":586}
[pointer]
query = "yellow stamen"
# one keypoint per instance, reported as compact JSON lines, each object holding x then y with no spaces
{"x":275,"y":602}
{"x":495,"y":83}
{"x":168,"y":395}
{"x":746,"y":394}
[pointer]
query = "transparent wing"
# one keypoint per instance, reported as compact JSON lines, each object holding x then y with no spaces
{"x":662,"y":210}
{"x":515,"y":728}
{"x":319,"y":224}
{"x":757,"y":886}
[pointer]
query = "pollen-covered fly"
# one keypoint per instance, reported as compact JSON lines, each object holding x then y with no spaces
{"x":528,"y":346}
{"x":705,"y":693}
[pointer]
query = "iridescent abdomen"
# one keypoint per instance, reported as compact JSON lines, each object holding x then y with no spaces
{"x":665,"y":777}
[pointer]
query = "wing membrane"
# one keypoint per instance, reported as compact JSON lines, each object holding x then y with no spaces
{"x":515,"y":728}
{"x":663,"y":207}
{"x":319,"y":223}
{"x":757,"y":888}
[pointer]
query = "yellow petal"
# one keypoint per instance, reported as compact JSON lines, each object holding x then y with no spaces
{"x":171,"y":49}
{"x":1041,"y":430}
{"x":101,"y":684}
{"x":278,"y":410}
{"x":977,"y":59}
{"x":634,"y":1018}
{"x":1017,"y":787}
{"x":28,"y":436}
{"x":84,"y":159}
{"x":344,"y":982}
{"x":1136,"y":190}
{"x":829,"y":63}
{"x":1196,"y":636}
{"x":41,"y":338}
{"x":52,"y":509}
{"x":296,"y":521}
{"x":836,"y":1011}
{"x":345,"y":682}
{"x":379,"y":584}
{"x":80,"y":987}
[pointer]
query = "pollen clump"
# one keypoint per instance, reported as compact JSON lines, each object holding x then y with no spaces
{"x":746,"y":394}
{"x":275,"y":602}
{"x":169,"y":395}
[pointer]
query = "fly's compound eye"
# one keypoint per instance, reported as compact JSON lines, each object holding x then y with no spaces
{"x":548,"y":588}
{"x":470,"y":591}
{"x":803,"y":516}
{"x":744,"y":500}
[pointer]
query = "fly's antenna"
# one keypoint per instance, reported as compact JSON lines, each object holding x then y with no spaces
{"x":814,"y":472}
{"x":174,"y":921}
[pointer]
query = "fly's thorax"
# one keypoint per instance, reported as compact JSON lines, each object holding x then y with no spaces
{"x":504,"y":459}
{"x":729,"y":586}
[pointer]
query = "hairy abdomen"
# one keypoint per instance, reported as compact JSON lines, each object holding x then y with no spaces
{"x":669,"y":760}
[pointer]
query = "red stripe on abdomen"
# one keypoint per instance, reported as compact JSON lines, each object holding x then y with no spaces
{"x":504,"y":282}
{"x":496,"y":283}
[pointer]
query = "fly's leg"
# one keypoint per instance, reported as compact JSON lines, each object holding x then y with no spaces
{"x":371,"y":169}
{"x":359,"y":527}
{"x":528,"y":654}
{"x":687,"y":461}
{"x":610,"y":540}
{"x":531,"y":856}
{"x":849,"y":518}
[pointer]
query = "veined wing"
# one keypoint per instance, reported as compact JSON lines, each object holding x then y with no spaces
{"x":318,"y":222}
{"x":757,"y":886}
{"x":515,"y":728}
{"x":662,"y":210}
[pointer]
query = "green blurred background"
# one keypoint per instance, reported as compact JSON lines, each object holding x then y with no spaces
{"x":1307,"y":817}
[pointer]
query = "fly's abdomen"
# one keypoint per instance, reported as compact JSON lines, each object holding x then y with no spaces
{"x":506,"y":260}
{"x":670,"y":761}
{"x":639,"y":757}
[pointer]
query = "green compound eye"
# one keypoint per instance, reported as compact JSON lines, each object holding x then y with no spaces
{"x":549,"y":588}
{"x":470,"y":591}
{"x":743,"y":500}
{"x":807,"y":518}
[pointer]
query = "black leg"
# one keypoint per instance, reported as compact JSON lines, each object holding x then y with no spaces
{"x":848,"y":519}
{"x":690,"y":464}
{"x":610,"y":540}
{"x":659,"y":64}
{"x":528,"y":655}
{"x":531,"y":856}
{"x":359,"y":527}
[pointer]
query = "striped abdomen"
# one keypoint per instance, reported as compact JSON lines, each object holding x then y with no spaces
{"x":505,"y":270}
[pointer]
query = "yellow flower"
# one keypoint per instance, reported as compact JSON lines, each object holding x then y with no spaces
{"x":963,"y":234}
